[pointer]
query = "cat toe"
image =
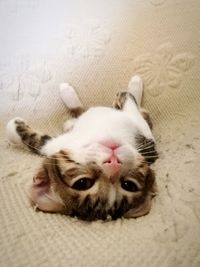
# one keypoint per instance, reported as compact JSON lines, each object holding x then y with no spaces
{"x":69,"y":96}
{"x":65,"y":87}
{"x":136,"y":79}
{"x":11,"y":132}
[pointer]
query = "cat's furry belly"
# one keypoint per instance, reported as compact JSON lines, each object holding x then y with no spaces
{"x":97,"y":125}
{"x":105,"y":120}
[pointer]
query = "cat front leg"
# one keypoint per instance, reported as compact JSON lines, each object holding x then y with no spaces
{"x":135,"y":87}
{"x":71,"y":100}
{"x":73,"y":104}
{"x":19,"y":132}
{"x":129,"y":102}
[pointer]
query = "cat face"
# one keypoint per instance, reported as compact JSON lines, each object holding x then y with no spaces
{"x":100,"y":180}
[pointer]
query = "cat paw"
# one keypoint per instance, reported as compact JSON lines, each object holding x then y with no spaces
{"x":69,"y":96}
{"x":135,"y":87}
{"x":11,"y":131}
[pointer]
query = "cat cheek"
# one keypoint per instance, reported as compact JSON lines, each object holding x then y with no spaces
{"x":126,"y":153}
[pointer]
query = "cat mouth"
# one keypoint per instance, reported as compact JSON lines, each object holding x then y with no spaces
{"x":111,"y":144}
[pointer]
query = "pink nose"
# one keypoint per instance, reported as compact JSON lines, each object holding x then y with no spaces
{"x":112,"y":161}
{"x":112,"y":167}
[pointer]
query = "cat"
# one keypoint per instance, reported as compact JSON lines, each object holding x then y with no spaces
{"x":100,"y":167}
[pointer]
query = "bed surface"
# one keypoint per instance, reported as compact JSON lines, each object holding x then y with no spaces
{"x":98,"y":47}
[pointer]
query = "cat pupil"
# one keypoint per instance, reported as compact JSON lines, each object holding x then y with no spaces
{"x":83,"y":184}
{"x":129,"y":186}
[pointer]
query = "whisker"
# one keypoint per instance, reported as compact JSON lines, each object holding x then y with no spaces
{"x":45,"y":156}
{"x":147,"y":147}
{"x":149,"y":152}
{"x":151,"y":157}
{"x":28,"y":145}
{"x":145,"y":144}
{"x":41,"y":155}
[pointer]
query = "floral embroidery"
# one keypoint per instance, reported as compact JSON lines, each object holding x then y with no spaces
{"x":87,"y":41}
{"x":162,"y":69}
{"x":23,"y":76}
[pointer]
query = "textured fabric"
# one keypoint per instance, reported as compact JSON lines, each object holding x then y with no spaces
{"x":97,"y":46}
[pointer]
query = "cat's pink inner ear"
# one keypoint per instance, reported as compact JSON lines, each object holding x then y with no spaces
{"x":42,"y":194}
{"x":40,"y":187}
{"x":41,"y":179}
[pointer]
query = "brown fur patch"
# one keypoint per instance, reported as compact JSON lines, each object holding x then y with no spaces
{"x":120,"y":99}
{"x":147,"y":148}
{"x":147,"y":117}
{"x":76,"y":112}
{"x":33,"y":140}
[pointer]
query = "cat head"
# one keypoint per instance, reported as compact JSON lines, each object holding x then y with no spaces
{"x":117,"y":182}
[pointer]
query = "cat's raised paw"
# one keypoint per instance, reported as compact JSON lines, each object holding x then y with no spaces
{"x":69,"y":96}
{"x":135,"y":87}
{"x":11,"y":130}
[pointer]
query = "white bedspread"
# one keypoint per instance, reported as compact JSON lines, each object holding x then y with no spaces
{"x":97,"y":46}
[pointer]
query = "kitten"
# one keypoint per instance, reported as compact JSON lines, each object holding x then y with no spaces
{"x":100,"y":167}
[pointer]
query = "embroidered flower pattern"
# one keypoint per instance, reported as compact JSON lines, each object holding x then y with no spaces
{"x":87,"y":41}
{"x":162,"y":69}
{"x":23,"y":76}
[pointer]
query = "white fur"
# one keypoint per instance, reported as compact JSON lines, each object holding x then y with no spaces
{"x":135,"y":87}
{"x":131,"y":108}
{"x":11,"y":132}
{"x":68,"y":125}
{"x":96,"y":126}
{"x":69,"y":96}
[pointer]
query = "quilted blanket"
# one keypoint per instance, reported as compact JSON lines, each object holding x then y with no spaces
{"x":97,"y":46}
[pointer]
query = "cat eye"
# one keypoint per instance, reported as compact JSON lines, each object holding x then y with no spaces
{"x":83,"y":184}
{"x":129,"y":185}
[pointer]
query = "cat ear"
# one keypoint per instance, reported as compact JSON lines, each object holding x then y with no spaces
{"x":42,"y":194}
{"x":145,"y":207}
{"x":142,"y":210}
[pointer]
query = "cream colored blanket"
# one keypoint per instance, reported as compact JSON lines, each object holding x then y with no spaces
{"x":97,"y":47}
